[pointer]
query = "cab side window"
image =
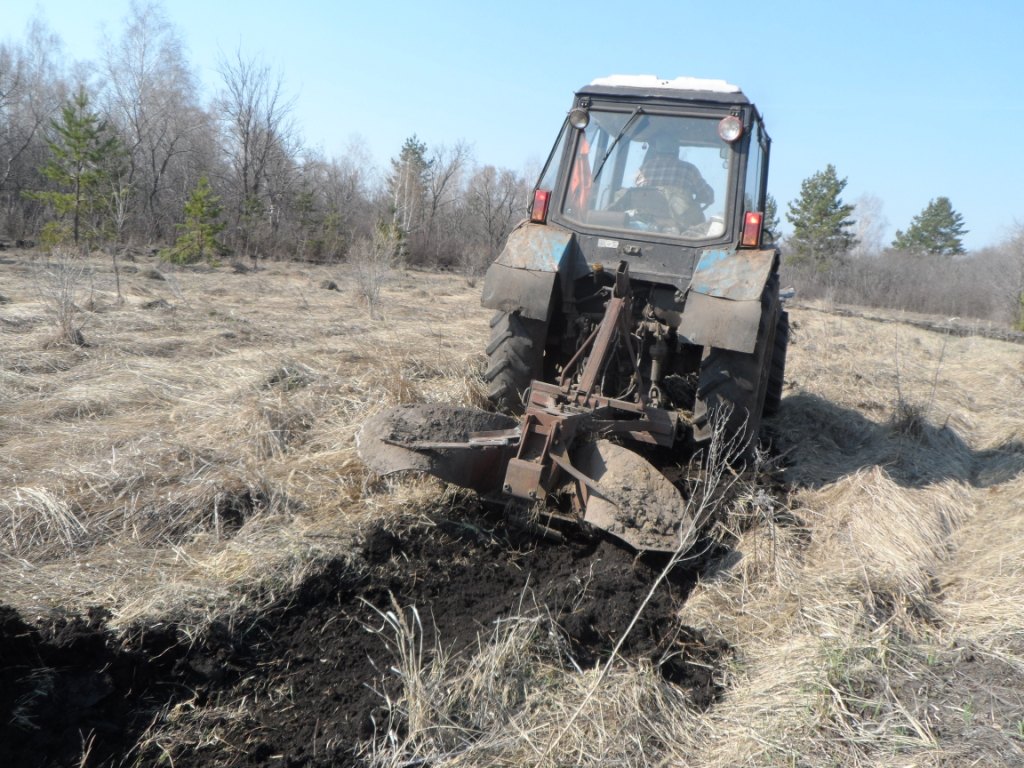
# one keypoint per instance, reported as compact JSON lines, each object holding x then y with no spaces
{"x":753,"y":195}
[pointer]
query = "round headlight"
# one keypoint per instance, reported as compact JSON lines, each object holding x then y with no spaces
{"x":730,"y":128}
{"x":579,"y":118}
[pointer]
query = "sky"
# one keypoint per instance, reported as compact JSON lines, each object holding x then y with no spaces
{"x":909,"y":100}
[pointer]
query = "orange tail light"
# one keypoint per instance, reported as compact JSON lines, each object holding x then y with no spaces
{"x":539,"y":211}
{"x":752,"y":221}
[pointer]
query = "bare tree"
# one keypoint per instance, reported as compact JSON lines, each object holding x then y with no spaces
{"x":32,"y":89}
{"x":496,"y":200}
{"x":443,"y":189}
{"x":1004,"y":267}
{"x":372,"y":259}
{"x":332,"y":207}
{"x":259,"y":144}
{"x":869,"y":227}
{"x":151,"y":96}
{"x":59,"y":281}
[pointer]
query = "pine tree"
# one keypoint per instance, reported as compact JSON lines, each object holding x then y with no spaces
{"x":771,"y":215}
{"x":821,"y":221}
{"x":938,"y":230}
{"x":82,"y":156}
{"x":198,"y":238}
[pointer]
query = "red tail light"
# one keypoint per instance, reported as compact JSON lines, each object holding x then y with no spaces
{"x":539,"y":212}
{"x":752,"y":221}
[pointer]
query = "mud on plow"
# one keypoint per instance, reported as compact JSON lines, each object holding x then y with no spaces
{"x":566,"y":444}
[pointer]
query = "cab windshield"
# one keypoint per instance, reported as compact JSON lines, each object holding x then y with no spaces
{"x":666,"y":174}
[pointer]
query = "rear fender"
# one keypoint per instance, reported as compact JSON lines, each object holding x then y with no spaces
{"x":723,"y":302}
{"x":522,"y":278}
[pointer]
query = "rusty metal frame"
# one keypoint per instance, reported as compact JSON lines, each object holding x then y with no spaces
{"x":556,"y":414}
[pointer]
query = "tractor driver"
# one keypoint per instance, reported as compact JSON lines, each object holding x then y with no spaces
{"x":687,"y":192}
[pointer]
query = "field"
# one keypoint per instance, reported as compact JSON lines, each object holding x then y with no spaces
{"x":196,"y":569}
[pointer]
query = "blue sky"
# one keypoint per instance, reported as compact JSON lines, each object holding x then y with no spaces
{"x":909,"y":100}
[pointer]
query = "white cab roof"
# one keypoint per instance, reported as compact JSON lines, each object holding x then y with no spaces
{"x":678,"y":83}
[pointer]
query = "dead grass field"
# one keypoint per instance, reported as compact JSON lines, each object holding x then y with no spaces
{"x":203,"y":439}
{"x":196,"y":459}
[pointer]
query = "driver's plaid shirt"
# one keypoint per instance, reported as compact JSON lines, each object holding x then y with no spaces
{"x":668,"y":171}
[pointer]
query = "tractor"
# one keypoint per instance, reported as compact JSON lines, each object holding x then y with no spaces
{"x":637,"y":315}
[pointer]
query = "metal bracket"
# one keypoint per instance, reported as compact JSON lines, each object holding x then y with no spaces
{"x":557,"y":414}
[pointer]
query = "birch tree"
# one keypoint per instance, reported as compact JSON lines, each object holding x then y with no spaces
{"x":32,"y":89}
{"x":151,"y":96}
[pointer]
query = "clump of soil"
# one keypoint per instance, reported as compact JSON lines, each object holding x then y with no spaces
{"x":416,"y":436}
{"x":310,"y":672}
{"x":433,"y":422}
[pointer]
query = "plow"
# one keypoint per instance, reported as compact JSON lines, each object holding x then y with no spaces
{"x":561,"y":445}
{"x":605,"y":380}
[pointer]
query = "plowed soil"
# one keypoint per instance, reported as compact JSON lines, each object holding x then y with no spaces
{"x":311,"y":673}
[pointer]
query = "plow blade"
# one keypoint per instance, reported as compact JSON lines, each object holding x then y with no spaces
{"x":464,"y":446}
{"x":631,"y":500}
{"x":622,"y":493}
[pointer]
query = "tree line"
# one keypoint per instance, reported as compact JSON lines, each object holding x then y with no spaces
{"x":123,"y":151}
{"x":823,"y":225}
{"x":834,"y":251}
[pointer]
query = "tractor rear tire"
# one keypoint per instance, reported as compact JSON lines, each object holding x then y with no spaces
{"x":732,"y":386}
{"x":773,"y":397}
{"x":515,"y":357}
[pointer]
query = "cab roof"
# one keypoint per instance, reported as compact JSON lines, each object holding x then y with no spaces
{"x":679,"y":88}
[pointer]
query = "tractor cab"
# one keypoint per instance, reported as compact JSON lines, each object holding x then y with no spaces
{"x":654,"y":170}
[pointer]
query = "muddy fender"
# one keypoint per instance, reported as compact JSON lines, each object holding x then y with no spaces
{"x":723,"y":302}
{"x":523,"y":277}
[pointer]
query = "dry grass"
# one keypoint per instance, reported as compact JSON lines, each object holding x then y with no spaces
{"x":203,"y":440}
{"x":515,"y":702}
{"x":198,"y":456}
{"x":880,"y":629}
